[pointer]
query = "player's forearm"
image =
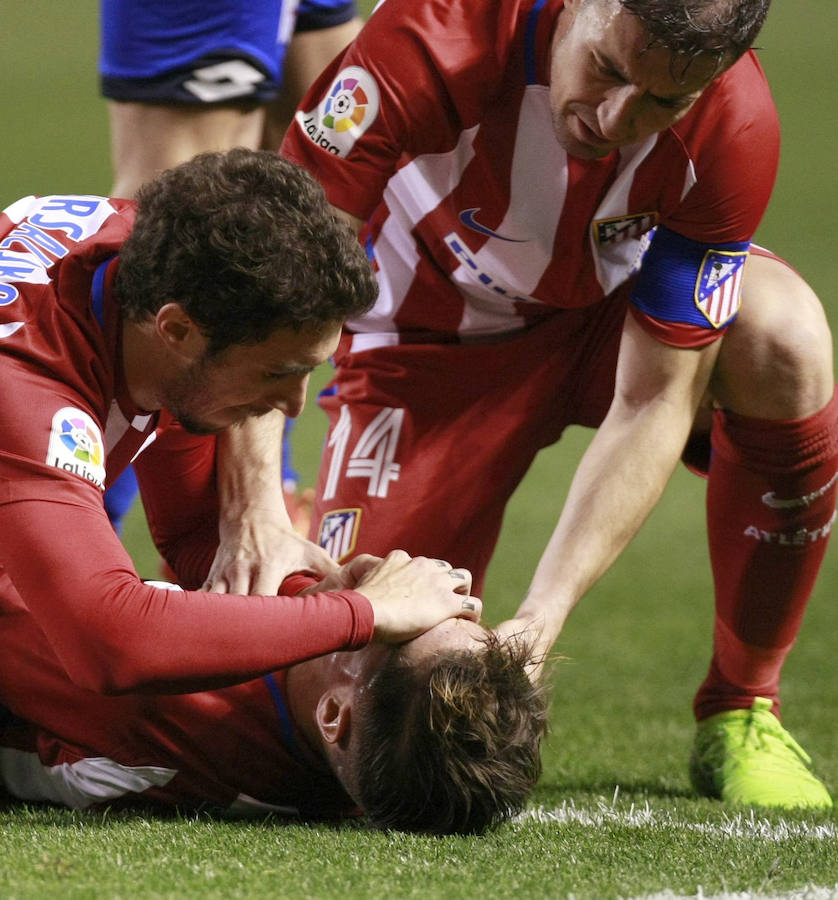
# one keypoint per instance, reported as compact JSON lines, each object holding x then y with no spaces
{"x":258,"y":546}
{"x":165,"y":641}
{"x":619,"y":480}
{"x":623,"y":473}
{"x":250,"y":471}
{"x":112,"y":634}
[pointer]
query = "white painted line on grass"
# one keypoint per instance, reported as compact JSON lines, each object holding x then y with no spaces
{"x":736,"y":825}
{"x":805,"y":893}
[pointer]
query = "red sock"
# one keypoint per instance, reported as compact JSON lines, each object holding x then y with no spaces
{"x":770,"y":508}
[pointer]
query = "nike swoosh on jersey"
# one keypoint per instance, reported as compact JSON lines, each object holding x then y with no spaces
{"x":467,"y":218}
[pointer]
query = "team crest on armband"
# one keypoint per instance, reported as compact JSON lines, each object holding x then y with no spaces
{"x":76,"y":445}
{"x":339,"y":532}
{"x":718,"y":289}
{"x":348,"y":109}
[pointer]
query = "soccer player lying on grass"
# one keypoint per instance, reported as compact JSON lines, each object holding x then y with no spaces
{"x":440,"y":734}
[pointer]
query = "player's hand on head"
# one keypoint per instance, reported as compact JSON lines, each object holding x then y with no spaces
{"x":255,"y":556}
{"x":409,"y":595}
{"x":347,"y":576}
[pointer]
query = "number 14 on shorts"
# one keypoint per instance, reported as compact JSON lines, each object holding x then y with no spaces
{"x":373,"y":456}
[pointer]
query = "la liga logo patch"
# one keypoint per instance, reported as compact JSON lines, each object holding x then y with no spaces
{"x":346,"y":105}
{"x":76,"y":445}
{"x":349,"y":108}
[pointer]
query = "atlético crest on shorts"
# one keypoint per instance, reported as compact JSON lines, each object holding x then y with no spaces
{"x":339,"y":532}
{"x":718,"y":290}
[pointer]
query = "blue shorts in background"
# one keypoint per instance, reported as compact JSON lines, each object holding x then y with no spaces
{"x":203,"y":51}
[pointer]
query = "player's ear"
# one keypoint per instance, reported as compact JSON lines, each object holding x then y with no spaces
{"x":333,"y":715}
{"x":178,"y":331}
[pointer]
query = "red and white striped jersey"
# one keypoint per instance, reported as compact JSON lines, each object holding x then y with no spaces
{"x":59,"y":339}
{"x":435,"y":128}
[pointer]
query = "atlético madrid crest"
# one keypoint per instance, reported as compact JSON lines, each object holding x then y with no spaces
{"x":339,"y":532}
{"x":718,"y":289}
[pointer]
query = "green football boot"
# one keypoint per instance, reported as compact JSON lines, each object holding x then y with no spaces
{"x":745,"y":756}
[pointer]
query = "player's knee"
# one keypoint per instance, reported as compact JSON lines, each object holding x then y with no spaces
{"x":776,"y":360}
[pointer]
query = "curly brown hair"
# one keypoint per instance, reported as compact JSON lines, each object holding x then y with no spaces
{"x":451,"y":746}
{"x":247,"y":243}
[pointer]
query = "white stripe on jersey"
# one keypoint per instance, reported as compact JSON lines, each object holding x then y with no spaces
{"x":361,"y":342}
{"x":535,"y":204}
{"x":614,"y":261}
{"x":117,"y":426}
{"x":79,"y":784}
{"x":690,"y":178}
{"x":410,"y":195}
{"x":531,"y":218}
{"x":494,"y":280}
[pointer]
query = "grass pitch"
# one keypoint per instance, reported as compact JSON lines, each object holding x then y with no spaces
{"x":613,"y":815}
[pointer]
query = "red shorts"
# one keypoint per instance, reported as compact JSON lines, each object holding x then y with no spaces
{"x":427,"y":442}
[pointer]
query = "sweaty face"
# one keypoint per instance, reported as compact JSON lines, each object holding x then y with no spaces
{"x":250,"y":380}
{"x":607,"y":90}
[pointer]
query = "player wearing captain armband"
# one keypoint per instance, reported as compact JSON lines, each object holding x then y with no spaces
{"x":559,"y":198}
{"x":143,"y":332}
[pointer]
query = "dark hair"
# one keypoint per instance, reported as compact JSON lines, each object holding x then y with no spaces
{"x":247,"y":243}
{"x":451,"y":746}
{"x":723,"y":29}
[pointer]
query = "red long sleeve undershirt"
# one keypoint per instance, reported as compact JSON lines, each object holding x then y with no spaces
{"x":115,"y":634}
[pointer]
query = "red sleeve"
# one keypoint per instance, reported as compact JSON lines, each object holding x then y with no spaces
{"x":296,"y":582}
{"x":732,"y":135}
{"x":114,"y":634}
{"x":177,"y":478}
{"x":424,"y":70}
{"x":676,"y":334}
